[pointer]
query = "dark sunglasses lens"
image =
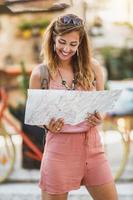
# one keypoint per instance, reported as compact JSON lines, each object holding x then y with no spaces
{"x":77,"y":21}
{"x":66,"y":20}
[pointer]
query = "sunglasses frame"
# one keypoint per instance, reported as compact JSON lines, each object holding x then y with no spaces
{"x":70,"y":20}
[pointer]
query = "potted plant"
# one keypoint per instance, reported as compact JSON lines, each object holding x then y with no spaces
{"x":119,"y":62}
{"x":27,"y":29}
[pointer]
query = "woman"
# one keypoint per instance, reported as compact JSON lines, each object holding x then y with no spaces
{"x":74,"y":154}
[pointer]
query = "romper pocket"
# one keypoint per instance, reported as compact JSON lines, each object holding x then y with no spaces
{"x":59,"y":138}
{"x":94,"y":138}
{"x":97,"y":138}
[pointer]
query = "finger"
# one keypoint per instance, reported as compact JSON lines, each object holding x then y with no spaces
{"x":59,"y":124}
{"x":91,"y":122}
{"x":89,"y":114}
{"x":97,"y":122}
{"x":51,"y":121}
{"x":51,"y":124}
{"x":92,"y":118}
{"x":95,"y":119}
{"x":60,"y":120}
{"x":97,"y":114}
{"x":55,"y":125}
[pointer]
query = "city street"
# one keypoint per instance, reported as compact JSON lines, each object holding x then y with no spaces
{"x":28,"y":191}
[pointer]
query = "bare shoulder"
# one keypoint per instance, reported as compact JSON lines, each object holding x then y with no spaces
{"x":36,"y":72}
{"x":97,"y":67}
{"x":35,"y":78}
{"x":99,"y":74}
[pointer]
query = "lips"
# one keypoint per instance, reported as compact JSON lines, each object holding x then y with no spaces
{"x":64,"y":53}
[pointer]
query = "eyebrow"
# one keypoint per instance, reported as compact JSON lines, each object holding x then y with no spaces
{"x":70,"y":42}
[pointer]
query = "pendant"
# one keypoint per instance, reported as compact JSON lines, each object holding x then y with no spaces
{"x":67,"y":87}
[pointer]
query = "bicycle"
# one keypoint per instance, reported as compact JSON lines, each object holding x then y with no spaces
{"x":116,"y":137}
{"x":7,"y":153}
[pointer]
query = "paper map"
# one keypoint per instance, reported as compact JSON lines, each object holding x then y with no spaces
{"x":73,"y":106}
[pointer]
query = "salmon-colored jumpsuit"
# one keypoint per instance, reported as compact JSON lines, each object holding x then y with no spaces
{"x":73,"y":157}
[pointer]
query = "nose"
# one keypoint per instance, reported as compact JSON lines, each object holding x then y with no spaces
{"x":66,"y":48}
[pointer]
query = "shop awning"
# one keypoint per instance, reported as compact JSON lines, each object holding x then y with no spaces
{"x":32,"y":6}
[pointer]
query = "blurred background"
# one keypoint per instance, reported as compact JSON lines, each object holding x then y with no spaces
{"x":109,"y":24}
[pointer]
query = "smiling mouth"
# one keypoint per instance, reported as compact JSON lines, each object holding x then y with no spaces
{"x":64,"y":53}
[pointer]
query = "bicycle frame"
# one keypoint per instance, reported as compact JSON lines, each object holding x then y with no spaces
{"x":35,"y":151}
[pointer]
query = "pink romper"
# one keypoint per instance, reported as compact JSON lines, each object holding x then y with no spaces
{"x":73,"y":157}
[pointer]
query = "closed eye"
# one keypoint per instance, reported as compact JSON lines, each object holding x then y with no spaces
{"x":61,"y":41}
{"x":74,"y":45}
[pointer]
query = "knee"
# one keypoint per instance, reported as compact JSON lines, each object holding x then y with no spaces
{"x":47,"y":196}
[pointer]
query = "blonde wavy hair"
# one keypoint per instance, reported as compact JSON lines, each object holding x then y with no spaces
{"x":81,"y":63}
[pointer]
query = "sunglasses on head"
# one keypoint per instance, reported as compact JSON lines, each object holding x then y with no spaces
{"x":70,"y":20}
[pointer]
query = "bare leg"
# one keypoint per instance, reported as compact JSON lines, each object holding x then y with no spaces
{"x":103,"y":192}
{"x":46,"y":196}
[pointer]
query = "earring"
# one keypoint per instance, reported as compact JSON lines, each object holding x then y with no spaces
{"x":77,"y":52}
{"x":54,"y":48}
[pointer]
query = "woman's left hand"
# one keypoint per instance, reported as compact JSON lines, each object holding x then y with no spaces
{"x":94,"y":119}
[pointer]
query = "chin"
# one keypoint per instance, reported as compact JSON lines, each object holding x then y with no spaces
{"x":65,"y":59}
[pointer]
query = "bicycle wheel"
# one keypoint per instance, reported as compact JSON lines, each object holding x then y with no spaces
{"x":7,"y":154}
{"x":116,"y":147}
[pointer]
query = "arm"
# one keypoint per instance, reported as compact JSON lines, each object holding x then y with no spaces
{"x":35,"y":82}
{"x":99,"y":73}
{"x":97,"y":118}
{"x":35,"y":79}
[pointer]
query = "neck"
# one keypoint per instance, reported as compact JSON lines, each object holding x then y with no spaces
{"x":65,"y":65}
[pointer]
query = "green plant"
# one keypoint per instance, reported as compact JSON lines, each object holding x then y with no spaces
{"x":119,"y":62}
{"x":28,"y":25}
{"x":42,"y":24}
{"x":23,"y":79}
{"x":25,"y":26}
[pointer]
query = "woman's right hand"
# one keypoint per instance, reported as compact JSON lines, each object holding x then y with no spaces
{"x":55,"y":126}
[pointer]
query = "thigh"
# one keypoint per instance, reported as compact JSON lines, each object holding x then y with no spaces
{"x":46,"y":196}
{"x":103,"y":192}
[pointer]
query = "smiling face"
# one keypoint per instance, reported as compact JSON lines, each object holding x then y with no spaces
{"x":67,"y":45}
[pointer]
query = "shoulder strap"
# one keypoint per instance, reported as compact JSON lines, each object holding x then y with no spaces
{"x":44,"y":76}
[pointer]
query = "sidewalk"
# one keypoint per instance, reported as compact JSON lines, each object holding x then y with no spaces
{"x":28,"y":191}
{"x":23,"y":185}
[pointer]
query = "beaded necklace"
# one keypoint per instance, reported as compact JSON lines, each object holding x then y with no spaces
{"x":64,"y":83}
